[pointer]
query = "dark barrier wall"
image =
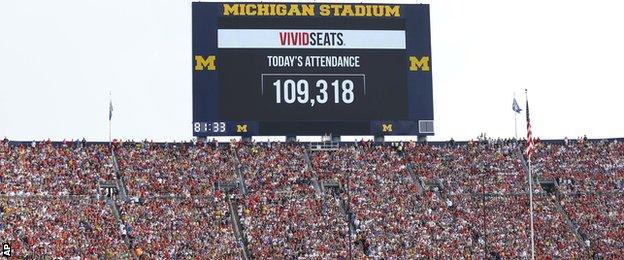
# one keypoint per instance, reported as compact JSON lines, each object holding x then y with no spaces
{"x":435,"y":143}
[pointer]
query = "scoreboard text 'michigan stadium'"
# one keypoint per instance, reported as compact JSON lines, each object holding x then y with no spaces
{"x":311,"y":69}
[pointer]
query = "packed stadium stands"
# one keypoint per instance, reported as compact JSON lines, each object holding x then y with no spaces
{"x":63,"y":227}
{"x":285,"y":200}
{"x":166,"y":228}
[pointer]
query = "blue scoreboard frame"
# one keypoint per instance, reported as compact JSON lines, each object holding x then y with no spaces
{"x":311,"y":69}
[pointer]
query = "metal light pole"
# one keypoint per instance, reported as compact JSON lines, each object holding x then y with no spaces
{"x":349,"y":213}
{"x":483,"y":210}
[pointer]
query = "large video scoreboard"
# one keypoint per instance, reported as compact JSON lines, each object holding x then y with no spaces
{"x":311,"y":69}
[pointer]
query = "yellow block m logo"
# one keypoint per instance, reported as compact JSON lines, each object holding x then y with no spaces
{"x":241,"y":128}
{"x":422,"y":63}
{"x":386,"y":127}
{"x":207,"y":63}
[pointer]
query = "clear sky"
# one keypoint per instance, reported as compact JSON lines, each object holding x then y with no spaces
{"x":60,"y":59}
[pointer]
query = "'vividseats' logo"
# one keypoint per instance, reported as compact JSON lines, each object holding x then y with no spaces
{"x":311,"y":39}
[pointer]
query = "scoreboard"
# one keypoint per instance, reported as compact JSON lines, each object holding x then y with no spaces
{"x":311,"y":69}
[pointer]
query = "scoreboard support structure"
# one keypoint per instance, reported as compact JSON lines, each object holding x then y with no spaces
{"x":333,"y":138}
{"x":246,"y":138}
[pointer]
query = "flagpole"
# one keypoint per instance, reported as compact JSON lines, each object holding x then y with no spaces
{"x":530,"y":193}
{"x":531,"y":206}
{"x":110,"y":100}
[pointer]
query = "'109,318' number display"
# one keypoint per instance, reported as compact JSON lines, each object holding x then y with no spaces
{"x":290,"y":91}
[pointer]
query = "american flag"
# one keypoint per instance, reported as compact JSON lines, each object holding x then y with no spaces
{"x":529,"y":147}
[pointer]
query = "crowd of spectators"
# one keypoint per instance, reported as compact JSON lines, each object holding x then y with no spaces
{"x":590,"y":178}
{"x":458,"y":176}
{"x":334,"y":165}
{"x":393,"y":217}
{"x":44,"y":168}
{"x":283,"y":215}
{"x":66,"y":228}
{"x":600,"y":219}
{"x":298,"y":223}
{"x":176,"y":169}
{"x":456,"y":200}
{"x":582,"y":166}
{"x":51,"y":205}
{"x":175,"y":208}
{"x":500,"y":225}
{"x":180,"y":228}
{"x":466,"y":168}
{"x":274,"y":166}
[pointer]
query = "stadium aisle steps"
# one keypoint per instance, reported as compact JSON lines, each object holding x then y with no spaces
{"x":238,"y":227}
{"x":121,"y":185}
{"x":568,"y":221}
{"x":353,"y":217}
{"x":113,"y":207}
{"x":415,"y":178}
{"x":314,"y":180}
{"x":239,"y":173}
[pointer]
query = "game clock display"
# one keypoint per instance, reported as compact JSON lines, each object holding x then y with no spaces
{"x":314,"y":71}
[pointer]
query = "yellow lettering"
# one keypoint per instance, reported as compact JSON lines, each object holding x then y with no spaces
{"x":272,"y":12}
{"x":360,"y":10}
{"x":324,"y":10}
{"x":393,"y":11}
{"x":308,"y":10}
{"x":280,"y":10}
{"x":241,"y":128}
{"x":422,"y":63}
{"x":263,"y":9}
{"x":294,"y":10}
{"x":336,"y":9}
{"x":386,"y":127}
{"x":377,"y":10}
{"x":250,"y":10}
{"x":230,"y":9}
{"x":347,"y":11}
{"x":201,"y":63}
